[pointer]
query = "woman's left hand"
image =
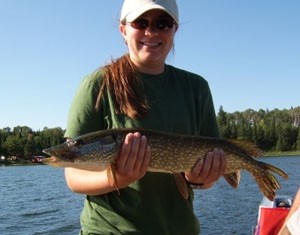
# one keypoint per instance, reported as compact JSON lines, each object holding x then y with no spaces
{"x":208,"y":170}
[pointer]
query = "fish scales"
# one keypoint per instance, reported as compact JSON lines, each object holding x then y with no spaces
{"x":171,"y":153}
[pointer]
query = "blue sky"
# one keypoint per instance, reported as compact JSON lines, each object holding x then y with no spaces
{"x":248,"y":50}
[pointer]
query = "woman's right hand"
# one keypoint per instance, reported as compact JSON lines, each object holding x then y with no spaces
{"x":133,"y":159}
{"x":131,"y":165}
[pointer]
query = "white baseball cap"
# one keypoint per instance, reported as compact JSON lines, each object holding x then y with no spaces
{"x":132,"y":9}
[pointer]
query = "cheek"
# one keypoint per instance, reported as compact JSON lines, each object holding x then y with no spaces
{"x":168,"y":37}
{"x":132,"y":39}
{"x":170,"y":42}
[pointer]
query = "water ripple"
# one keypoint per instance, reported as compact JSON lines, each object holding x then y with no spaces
{"x":36,"y":201}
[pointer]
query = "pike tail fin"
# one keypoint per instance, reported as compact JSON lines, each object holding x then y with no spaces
{"x":266,"y":181}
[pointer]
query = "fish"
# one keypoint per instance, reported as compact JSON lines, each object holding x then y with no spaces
{"x":170,"y":153}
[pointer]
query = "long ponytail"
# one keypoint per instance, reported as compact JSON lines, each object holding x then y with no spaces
{"x":122,"y":81}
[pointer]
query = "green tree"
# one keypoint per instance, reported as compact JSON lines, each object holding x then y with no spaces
{"x":260,"y":135}
{"x":298,"y":140}
{"x":222,"y":117}
{"x":223,"y":123}
{"x":271,"y":135}
{"x":51,"y":137}
{"x":22,"y":131}
{"x":14,"y":145}
{"x":30,"y":148}
{"x":287,"y":138}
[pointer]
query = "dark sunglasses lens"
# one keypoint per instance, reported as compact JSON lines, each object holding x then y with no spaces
{"x":164,"y":24}
{"x":140,"y":24}
{"x":161,"y":24}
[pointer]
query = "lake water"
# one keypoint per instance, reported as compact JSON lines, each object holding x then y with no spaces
{"x":36,"y":201}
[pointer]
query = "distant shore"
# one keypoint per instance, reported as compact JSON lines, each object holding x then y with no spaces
{"x":20,"y":163}
{"x":276,"y":154}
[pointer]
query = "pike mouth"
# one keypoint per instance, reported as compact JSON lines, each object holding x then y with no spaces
{"x":50,"y":160}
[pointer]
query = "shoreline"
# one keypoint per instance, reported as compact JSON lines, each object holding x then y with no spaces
{"x":17,"y":163}
{"x":281,"y":154}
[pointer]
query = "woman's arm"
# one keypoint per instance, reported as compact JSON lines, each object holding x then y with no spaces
{"x":131,"y":165}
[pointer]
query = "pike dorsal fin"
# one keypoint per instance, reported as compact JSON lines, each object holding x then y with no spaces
{"x":250,"y":148}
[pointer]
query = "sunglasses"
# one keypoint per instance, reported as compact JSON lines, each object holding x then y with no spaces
{"x":163,"y":24}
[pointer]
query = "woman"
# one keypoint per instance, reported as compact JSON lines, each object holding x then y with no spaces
{"x":140,"y":90}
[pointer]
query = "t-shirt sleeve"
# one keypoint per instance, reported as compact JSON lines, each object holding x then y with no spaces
{"x":208,"y":125}
{"x":293,"y":223}
{"x":83,"y":116}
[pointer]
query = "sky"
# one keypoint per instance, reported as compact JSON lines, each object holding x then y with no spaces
{"x":248,"y":51}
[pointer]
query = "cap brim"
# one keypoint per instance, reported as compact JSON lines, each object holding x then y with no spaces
{"x":138,"y":12}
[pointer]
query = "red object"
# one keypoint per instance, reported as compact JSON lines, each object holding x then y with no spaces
{"x":271,"y":220}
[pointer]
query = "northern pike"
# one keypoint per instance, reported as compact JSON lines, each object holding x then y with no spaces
{"x":170,"y":153}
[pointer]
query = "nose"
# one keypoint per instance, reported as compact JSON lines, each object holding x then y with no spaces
{"x":151,"y":29}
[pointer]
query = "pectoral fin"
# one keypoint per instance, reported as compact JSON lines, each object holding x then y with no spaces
{"x":112,"y":179}
{"x":181,"y":185}
{"x":233,"y":178}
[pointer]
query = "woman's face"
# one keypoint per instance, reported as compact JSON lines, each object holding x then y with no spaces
{"x":149,"y":39}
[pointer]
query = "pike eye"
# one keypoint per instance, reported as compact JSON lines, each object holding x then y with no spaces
{"x":74,"y":145}
{"x":78,"y":143}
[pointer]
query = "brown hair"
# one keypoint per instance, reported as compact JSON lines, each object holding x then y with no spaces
{"x":122,"y":81}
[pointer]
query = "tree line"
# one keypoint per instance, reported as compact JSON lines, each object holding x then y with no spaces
{"x":23,"y":143}
{"x":275,"y":130}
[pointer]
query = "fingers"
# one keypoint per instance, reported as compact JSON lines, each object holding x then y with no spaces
{"x":142,"y":157}
{"x":125,"y":150}
{"x":215,"y":164}
{"x":209,"y":169}
{"x":134,"y":157}
{"x":136,"y":150}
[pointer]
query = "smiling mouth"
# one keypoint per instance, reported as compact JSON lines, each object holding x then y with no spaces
{"x":151,"y":44}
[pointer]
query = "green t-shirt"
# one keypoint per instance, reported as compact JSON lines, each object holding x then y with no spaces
{"x":180,"y":102}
